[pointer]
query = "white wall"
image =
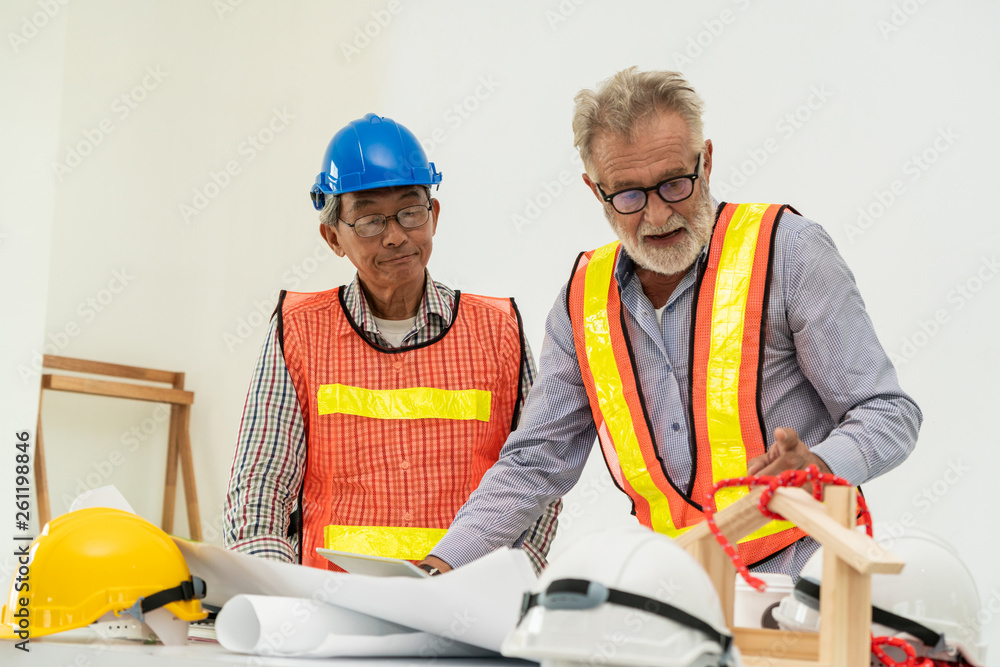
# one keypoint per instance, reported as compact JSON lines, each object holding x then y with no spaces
{"x":31,"y":90}
{"x":887,"y":81}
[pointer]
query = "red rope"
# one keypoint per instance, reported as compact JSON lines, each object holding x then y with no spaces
{"x":911,"y":656}
{"x":791,"y":478}
{"x":798,"y":478}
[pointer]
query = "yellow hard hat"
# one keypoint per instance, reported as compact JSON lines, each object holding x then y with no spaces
{"x":92,"y":561}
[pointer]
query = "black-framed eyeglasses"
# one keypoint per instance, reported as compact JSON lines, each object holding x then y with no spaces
{"x":373,"y":225}
{"x":672,"y":190}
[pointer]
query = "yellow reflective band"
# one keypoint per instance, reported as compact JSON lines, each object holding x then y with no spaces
{"x":732,"y":285}
{"x":389,"y":542}
{"x":411,"y":403}
{"x":610,"y":390}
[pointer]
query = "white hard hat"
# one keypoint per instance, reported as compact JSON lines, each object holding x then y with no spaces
{"x":625,"y":596}
{"x":933,"y":604}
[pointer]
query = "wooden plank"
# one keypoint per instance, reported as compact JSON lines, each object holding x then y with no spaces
{"x":53,"y":362}
{"x":720,"y":570}
{"x":755,"y":661}
{"x":736,"y":521}
{"x":170,"y":481}
{"x":845,"y":597}
{"x":856,"y":549}
{"x":117,"y":389}
{"x":187,"y":469}
{"x":777,"y":644}
{"x":41,"y":476}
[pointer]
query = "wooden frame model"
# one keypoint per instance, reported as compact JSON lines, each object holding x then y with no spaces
{"x":849,"y":560}
{"x":178,"y":438}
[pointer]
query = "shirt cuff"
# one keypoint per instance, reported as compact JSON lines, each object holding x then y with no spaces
{"x":266,"y":546}
{"x":844,"y":459}
{"x":460,"y":547}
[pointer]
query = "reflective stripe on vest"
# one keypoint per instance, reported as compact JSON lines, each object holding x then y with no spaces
{"x":726,"y":352}
{"x":409,"y":403}
{"x":406,"y":543}
{"x":729,"y":315}
{"x":397,"y":438}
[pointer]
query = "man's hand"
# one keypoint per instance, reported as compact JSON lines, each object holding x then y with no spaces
{"x":787,"y":453}
{"x":434,"y":561}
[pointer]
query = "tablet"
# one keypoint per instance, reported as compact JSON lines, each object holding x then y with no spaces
{"x":375,"y":566}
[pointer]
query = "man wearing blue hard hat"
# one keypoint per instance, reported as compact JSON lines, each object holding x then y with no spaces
{"x":376,"y":407}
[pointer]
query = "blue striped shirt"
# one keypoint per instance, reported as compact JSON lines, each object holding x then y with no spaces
{"x":824,"y":374}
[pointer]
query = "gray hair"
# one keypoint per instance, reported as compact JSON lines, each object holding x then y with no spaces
{"x":330,"y":213}
{"x":627,"y":98}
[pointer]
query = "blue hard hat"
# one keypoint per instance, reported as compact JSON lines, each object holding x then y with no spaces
{"x":372,"y":152}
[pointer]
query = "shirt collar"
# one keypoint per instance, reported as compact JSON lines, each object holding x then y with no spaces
{"x":432,"y":304}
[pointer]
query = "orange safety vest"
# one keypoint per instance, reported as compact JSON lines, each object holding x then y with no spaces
{"x":397,"y":439}
{"x":726,"y":359}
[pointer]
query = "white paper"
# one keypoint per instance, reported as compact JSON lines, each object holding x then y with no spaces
{"x":477,"y":604}
{"x":283,"y":626}
{"x":105,"y":496}
{"x":228,"y":573}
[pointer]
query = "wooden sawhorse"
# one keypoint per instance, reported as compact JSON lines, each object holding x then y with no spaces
{"x":178,"y":437}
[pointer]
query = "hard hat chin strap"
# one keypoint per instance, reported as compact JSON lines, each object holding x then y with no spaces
{"x":807,"y":592}
{"x":583,"y":594}
{"x":191,"y":589}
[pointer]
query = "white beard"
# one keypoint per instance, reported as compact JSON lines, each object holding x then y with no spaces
{"x":679,"y":257}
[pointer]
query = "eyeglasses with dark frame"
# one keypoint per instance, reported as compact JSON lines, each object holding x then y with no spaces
{"x":372,"y":225}
{"x":671,"y":190}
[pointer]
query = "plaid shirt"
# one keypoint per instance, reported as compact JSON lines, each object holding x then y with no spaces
{"x":268,"y":465}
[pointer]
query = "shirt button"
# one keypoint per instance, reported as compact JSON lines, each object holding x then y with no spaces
{"x":407,"y":516}
{"x":676,"y":426}
{"x":398,"y":365}
{"x":405,"y":465}
{"x":670,"y":308}
{"x":670,"y":369}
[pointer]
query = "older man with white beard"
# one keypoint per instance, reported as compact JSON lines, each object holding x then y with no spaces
{"x":687,"y":344}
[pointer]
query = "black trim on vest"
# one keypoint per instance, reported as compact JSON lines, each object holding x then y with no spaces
{"x":763,"y":326}
{"x":569,"y":314}
{"x":296,"y":520}
{"x":281,"y":321}
{"x":516,"y":416}
{"x":642,"y":402}
{"x":405,"y":348}
{"x":569,"y":285}
{"x":699,"y":279}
